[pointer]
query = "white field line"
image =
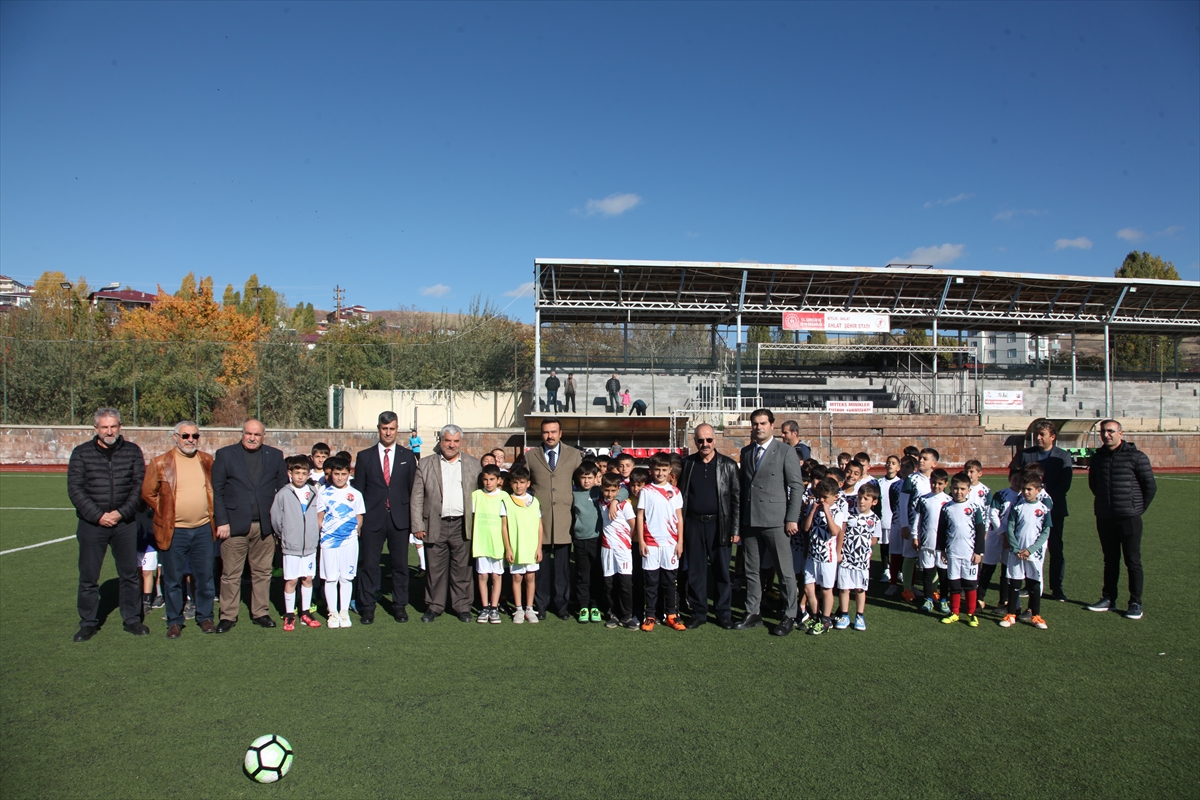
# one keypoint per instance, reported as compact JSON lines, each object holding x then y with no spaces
{"x":39,"y":544}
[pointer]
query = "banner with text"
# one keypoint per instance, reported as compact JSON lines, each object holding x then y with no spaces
{"x":848,"y":321}
{"x":849,"y":406}
{"x":997,"y":400}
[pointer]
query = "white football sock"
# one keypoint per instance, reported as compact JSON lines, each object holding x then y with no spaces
{"x":305,"y":597}
{"x":331,"y":597}
{"x":344,"y":608}
{"x":289,"y":603}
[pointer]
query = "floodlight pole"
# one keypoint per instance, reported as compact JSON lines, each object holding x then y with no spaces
{"x":1072,"y":362}
{"x":1107,"y":373}
{"x":935,"y":363}
{"x":537,"y":332}
{"x":738,"y":353}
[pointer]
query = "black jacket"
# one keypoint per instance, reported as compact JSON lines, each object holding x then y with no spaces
{"x":368,"y":479}
{"x":552,"y":383}
{"x":729,"y":494}
{"x":234,"y":495}
{"x":103,"y":479}
{"x":1121,"y":481}
{"x":612,"y":386}
{"x":1057,"y":479}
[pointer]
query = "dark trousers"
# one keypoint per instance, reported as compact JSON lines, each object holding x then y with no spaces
{"x":664,"y":580}
{"x":551,"y":404}
{"x":190,"y":548}
{"x":702,"y":548}
{"x":614,"y":402}
{"x":448,"y":565}
{"x":370,"y":552}
{"x":1056,"y":567}
{"x":587,"y":569}
{"x":620,"y":593}
{"x":554,"y":577}
{"x":94,"y":541}
{"x":569,"y":403}
{"x":1121,"y":536}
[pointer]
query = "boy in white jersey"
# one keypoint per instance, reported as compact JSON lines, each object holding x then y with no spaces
{"x":850,"y":484}
{"x":998,"y":509}
{"x":862,"y":533}
{"x":294,"y":519}
{"x":891,"y":475}
{"x":915,"y":487}
{"x":340,"y":511}
{"x":317,"y":457}
{"x":896,"y":542}
{"x":926,"y":513}
{"x":980,"y":494}
{"x":488,"y":517}
{"x":523,"y":537}
{"x":824,"y":526}
{"x":1026,"y":535}
{"x":961,"y":530}
{"x":660,"y":540}
{"x":616,"y":552}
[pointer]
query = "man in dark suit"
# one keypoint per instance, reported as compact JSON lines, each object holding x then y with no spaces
{"x":442,"y":518}
{"x":772,"y":491}
{"x":245,"y":478}
{"x":1056,"y":464}
{"x":711,"y":516}
{"x":550,"y":467}
{"x":384,"y":474}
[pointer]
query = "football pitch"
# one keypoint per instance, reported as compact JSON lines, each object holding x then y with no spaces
{"x":1096,"y":706}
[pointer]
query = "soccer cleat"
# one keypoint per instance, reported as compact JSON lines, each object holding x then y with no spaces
{"x":485,"y":615}
{"x":675,"y":623}
{"x":907,"y":595}
{"x":1038,"y":622}
{"x":584,"y":616}
{"x":1025,"y":616}
{"x":1008,"y":621}
{"x":917,"y":592}
{"x":312,"y":609}
{"x":532,"y":616}
{"x":612,"y":622}
{"x":944,"y":606}
{"x":972,"y":621}
{"x":345,"y":618}
{"x":289,"y":622}
{"x":630,"y":624}
{"x":159,"y":601}
{"x":891,"y":590}
{"x":1134,"y":611}
{"x":980,"y":604}
{"x":648,"y":623}
{"x":277,"y":572}
{"x":950,"y":620}
{"x":843,"y":622}
{"x":927,"y":606}
{"x":333,"y":621}
{"x":1103,"y":604}
{"x":805,"y":618}
{"x":189,"y":611}
{"x":519,"y":616}
{"x":309,"y":620}
{"x":860,"y":622}
{"x":886,"y":576}
{"x":596,"y":615}
{"x":494,"y":616}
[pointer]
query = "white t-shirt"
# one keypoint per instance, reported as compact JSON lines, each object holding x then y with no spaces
{"x":304,"y":494}
{"x":618,"y":533}
{"x":452,"y":488}
{"x":658,"y":505}
{"x":341,"y":507}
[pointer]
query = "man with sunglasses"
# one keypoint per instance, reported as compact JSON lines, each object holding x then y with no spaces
{"x":178,"y":488}
{"x":711,"y":510}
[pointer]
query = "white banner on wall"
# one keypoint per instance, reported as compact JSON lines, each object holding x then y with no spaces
{"x":998,"y":400}
{"x":849,"y":406}
{"x":846,"y":321}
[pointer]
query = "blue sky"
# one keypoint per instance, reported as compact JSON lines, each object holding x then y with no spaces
{"x":421,"y":154}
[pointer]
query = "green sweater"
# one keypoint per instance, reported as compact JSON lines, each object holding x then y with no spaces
{"x":585,"y":517}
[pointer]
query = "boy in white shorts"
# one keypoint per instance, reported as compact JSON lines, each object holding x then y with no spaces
{"x":340,"y":511}
{"x":1026,"y":535}
{"x":487,"y":541}
{"x":149,"y":565}
{"x":926,"y":513}
{"x":999,"y":506}
{"x":294,"y":518}
{"x":915,"y":486}
{"x":616,"y":552}
{"x":961,"y":530}
{"x":891,"y":475}
{"x":660,"y":540}
{"x":862,"y":533}
{"x":824,"y":525}
{"x":523,"y":535}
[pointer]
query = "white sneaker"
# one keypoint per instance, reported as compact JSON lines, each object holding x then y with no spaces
{"x":519,"y":616}
{"x":334,"y":621}
{"x":346,"y":623}
{"x":887,"y":575}
{"x":531,"y":616}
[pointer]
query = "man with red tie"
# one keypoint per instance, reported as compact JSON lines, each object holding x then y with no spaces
{"x":384,"y":474}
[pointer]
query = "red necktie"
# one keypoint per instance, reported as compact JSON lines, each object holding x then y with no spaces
{"x":387,"y":476}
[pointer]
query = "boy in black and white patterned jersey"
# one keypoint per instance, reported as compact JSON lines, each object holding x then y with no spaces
{"x":862,"y":532}
{"x":823,"y":526}
{"x":960,"y":535}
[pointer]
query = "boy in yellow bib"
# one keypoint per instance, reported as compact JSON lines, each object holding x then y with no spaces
{"x":487,"y":541}
{"x":522,"y":531}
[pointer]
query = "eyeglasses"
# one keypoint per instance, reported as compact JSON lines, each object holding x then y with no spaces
{"x":186,"y":436}
{"x":704,"y":441}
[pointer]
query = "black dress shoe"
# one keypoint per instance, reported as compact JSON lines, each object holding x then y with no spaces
{"x":695,"y":622}
{"x":541,"y":614}
{"x":174,"y":631}
{"x":84,"y":634}
{"x":137,"y":629}
{"x":429,"y":616}
{"x":401,"y":616}
{"x":564,"y":615}
{"x":264,"y":621}
{"x":1060,"y":596}
{"x":465,"y":616}
{"x":226,"y":625}
{"x":750,"y":621}
{"x":367,"y":619}
{"x":726,"y":623}
{"x":785,"y":627}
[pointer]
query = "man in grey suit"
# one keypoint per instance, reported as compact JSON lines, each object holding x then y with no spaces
{"x":441,"y":517}
{"x":772,"y":491}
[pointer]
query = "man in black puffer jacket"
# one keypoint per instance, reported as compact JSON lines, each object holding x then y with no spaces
{"x":1123,"y":484}
{"x":104,"y":482}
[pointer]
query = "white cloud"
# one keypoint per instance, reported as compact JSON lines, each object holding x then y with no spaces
{"x":1171,"y":231}
{"x":1129,"y":234}
{"x":1082,"y":243}
{"x":524,"y":290}
{"x":612,"y":206}
{"x":437,"y":290}
{"x":958,"y":198}
{"x":1011,"y":213}
{"x":936,"y":255}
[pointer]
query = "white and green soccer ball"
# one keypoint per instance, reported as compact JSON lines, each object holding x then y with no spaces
{"x":269,"y":758}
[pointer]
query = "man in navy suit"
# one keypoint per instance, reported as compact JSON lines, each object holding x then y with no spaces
{"x":245,"y":478}
{"x":384,"y":474}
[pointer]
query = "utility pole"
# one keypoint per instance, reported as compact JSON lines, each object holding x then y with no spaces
{"x":338,"y":291}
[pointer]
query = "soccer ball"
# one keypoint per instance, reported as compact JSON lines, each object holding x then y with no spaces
{"x":269,"y":758}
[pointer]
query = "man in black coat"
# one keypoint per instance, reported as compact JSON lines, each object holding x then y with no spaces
{"x":245,"y":478}
{"x":712,"y":503}
{"x":1056,"y":464}
{"x":1122,"y":482}
{"x":104,"y":482}
{"x":384,"y":474}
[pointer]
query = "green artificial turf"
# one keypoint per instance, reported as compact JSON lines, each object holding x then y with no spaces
{"x":1097,"y":706}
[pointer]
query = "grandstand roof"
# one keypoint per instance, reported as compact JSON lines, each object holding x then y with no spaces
{"x":708,"y":292}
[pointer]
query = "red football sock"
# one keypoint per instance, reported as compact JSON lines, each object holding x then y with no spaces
{"x":955,"y":603}
{"x":972,"y":600}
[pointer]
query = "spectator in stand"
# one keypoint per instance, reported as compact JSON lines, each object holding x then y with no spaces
{"x":552,"y":384}
{"x":626,"y":399}
{"x":613,"y":387}
{"x":637,"y":405}
{"x":615,"y":450}
{"x":569,"y":394}
{"x":1122,"y":482}
{"x":414,"y":444}
{"x":1056,"y":468}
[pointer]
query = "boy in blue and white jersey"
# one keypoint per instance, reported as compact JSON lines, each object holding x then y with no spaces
{"x":1025,"y":536}
{"x":961,"y":531}
{"x":897,"y":542}
{"x":926,"y":513}
{"x":861,"y":534}
{"x":823,"y":527}
{"x":999,"y":506}
{"x":915,"y":486}
{"x":884,"y":484}
{"x":340,"y":512}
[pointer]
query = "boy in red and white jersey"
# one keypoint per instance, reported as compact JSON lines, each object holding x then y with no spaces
{"x":616,"y":551}
{"x":660,"y":539}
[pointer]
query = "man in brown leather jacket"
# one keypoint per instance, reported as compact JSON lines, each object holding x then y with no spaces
{"x":178,"y":489}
